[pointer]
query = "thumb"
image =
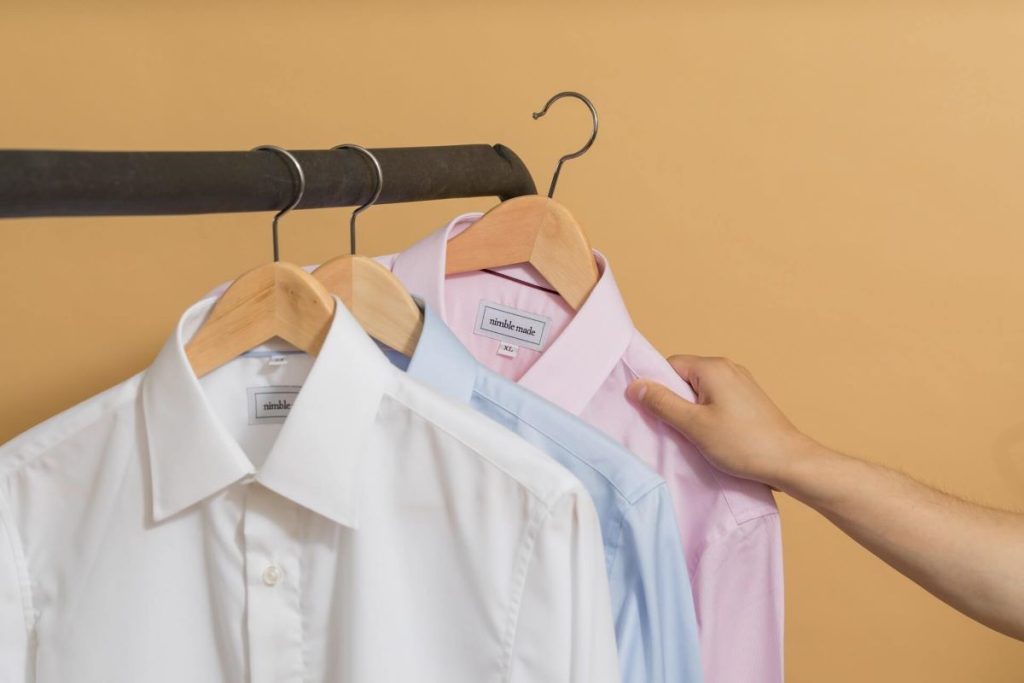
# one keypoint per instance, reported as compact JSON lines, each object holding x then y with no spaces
{"x":665,"y":404}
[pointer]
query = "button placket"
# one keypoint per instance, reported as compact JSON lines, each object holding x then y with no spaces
{"x":274,"y":622}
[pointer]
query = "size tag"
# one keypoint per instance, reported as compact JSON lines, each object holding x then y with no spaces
{"x":506,"y":324}
{"x":268,"y":405}
{"x":508,"y":350}
{"x":277,"y":360}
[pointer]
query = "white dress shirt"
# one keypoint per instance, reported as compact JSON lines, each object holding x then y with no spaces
{"x":236,"y":528}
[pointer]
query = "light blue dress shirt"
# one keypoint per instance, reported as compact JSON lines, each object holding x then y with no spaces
{"x":655,"y":623}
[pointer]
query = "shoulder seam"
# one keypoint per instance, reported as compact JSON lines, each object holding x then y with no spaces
{"x":35,"y":448}
{"x":18,"y":554}
{"x":547,"y":501}
{"x":644,"y":493}
{"x":630,"y":512}
{"x":610,"y":560}
{"x":726,"y":537}
{"x":630,"y":499}
{"x":521,"y":573}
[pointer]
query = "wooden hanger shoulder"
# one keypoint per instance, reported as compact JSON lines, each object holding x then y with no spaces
{"x":272,"y":300}
{"x":376,"y":299}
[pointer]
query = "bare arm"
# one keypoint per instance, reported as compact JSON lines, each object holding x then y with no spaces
{"x":969,"y":556}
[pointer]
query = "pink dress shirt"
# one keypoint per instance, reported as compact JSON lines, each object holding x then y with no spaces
{"x":583,"y":361}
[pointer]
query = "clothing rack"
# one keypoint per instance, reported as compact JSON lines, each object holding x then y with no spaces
{"x":73,"y":183}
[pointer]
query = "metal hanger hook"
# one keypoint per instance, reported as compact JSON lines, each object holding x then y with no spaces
{"x":373,"y":200}
{"x":298,"y":195}
{"x":582,"y":150}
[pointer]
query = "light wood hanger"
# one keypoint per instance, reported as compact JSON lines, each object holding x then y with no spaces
{"x":535,"y":230}
{"x":273,"y":300}
{"x":374,"y":296}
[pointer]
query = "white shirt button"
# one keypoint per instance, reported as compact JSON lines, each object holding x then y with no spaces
{"x":272,"y":574}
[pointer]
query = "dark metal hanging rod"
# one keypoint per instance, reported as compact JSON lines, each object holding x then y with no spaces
{"x":61,"y":183}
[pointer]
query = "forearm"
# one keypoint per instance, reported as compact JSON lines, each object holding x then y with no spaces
{"x":967,"y":555}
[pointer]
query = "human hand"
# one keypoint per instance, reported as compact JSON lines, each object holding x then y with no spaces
{"x":734,"y":423}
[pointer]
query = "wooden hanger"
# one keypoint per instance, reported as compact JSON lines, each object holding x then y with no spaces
{"x":535,"y":230}
{"x":374,"y":296}
{"x":273,"y":300}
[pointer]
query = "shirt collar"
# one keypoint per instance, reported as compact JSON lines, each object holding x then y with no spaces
{"x":441,"y":361}
{"x":314,"y":460}
{"x":577,"y":362}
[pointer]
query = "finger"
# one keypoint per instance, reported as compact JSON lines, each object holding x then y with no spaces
{"x":665,"y":404}
{"x":689,"y":367}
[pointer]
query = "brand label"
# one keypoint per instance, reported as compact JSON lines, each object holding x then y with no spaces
{"x":270,"y":404}
{"x":506,"y":324}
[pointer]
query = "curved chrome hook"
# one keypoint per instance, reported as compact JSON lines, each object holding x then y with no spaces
{"x":373,"y":200}
{"x":298,"y":195}
{"x":582,"y":150}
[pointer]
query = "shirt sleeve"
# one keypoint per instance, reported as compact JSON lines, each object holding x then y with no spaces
{"x":564,"y":631}
{"x":739,"y":602}
{"x":654,"y":613}
{"x":14,"y":632}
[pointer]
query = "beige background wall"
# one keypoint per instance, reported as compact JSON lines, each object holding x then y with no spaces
{"x":832,"y":193}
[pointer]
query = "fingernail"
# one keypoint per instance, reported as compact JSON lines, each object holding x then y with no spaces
{"x":636,"y":390}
